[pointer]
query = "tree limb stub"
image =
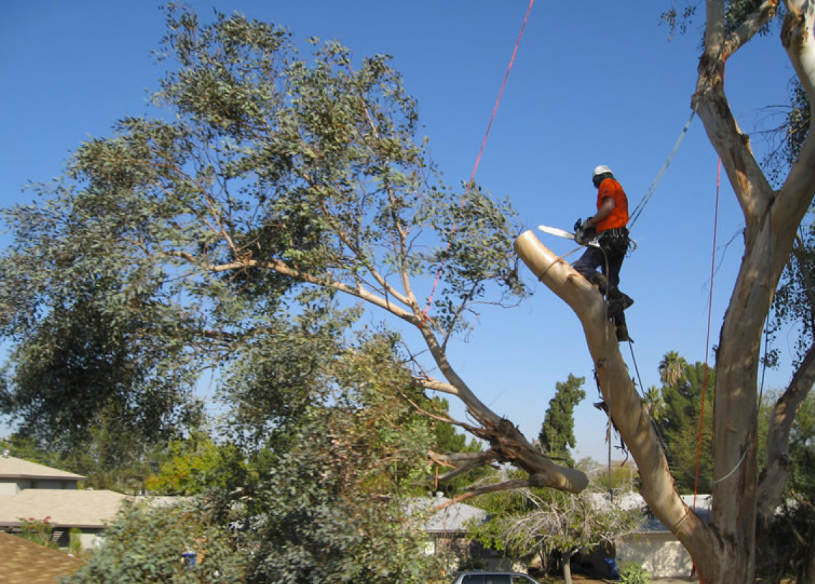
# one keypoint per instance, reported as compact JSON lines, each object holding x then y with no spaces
{"x":618,"y":390}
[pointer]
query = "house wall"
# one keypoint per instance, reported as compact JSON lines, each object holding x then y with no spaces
{"x":9,"y":488}
{"x":660,"y":554}
{"x":90,"y":539}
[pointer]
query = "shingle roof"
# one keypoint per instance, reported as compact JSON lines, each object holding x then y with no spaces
{"x":702,"y":504}
{"x":63,"y":507}
{"x":454,"y":517}
{"x":67,"y":508}
{"x":17,"y":468}
{"x":25,"y":562}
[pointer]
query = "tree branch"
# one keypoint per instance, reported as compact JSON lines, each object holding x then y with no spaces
{"x":751,"y":25}
{"x":625,"y":407}
{"x":436,"y":385}
{"x":774,"y":476}
{"x":733,"y":147}
{"x":284,"y":269}
{"x":505,"y":486}
{"x":462,"y":462}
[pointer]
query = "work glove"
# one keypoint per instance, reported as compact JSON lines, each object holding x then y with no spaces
{"x":584,"y":232}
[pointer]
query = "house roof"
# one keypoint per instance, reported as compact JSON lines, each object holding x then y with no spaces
{"x":66,"y":508}
{"x":453,"y":517}
{"x":62,"y":507}
{"x":17,"y":468}
{"x":702,"y":505}
{"x":25,"y":562}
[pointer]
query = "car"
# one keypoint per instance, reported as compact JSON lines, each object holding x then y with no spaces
{"x":483,"y":577}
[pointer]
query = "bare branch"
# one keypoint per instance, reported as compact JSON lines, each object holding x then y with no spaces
{"x":774,"y":477}
{"x":506,"y":486}
{"x":751,"y":25}
{"x":436,"y":385}
{"x":463,"y":462}
{"x":283,"y":268}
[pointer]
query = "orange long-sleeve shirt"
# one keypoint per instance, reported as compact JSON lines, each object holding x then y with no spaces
{"x":619,"y":216}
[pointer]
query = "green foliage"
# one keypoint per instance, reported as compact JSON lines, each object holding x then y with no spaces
{"x":679,"y":420}
{"x":217,"y":235}
{"x":793,"y":304}
{"x":79,"y":368}
{"x":620,"y":477}
{"x":332,"y":507}
{"x":273,"y":379}
{"x":145,"y":544}
{"x":233,"y":235}
{"x":75,"y":541}
{"x":37,"y":531}
{"x":327,"y":504}
{"x":196,"y":465}
{"x":315,"y":518}
{"x":679,"y":19}
{"x":550,"y":523}
{"x":557,"y":432}
{"x":788,"y":542}
{"x":631,"y":573}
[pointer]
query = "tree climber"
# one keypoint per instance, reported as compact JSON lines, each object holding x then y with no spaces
{"x":609,"y":225}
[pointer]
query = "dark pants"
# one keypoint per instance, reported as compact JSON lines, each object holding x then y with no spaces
{"x":609,"y":258}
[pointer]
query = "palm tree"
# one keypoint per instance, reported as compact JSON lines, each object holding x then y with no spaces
{"x":654,"y":403}
{"x":672,"y":368}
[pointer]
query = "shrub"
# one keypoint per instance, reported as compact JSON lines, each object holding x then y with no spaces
{"x":631,"y":573}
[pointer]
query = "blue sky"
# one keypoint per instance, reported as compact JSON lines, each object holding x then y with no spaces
{"x":599,"y":85}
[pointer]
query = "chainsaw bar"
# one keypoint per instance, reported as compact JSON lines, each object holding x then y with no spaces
{"x":569,"y":235}
{"x":564,"y":234}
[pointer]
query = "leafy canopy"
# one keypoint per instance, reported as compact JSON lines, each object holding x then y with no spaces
{"x":218,"y":234}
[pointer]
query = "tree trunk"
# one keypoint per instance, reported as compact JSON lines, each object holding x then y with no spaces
{"x":624,"y":404}
{"x":567,"y":567}
{"x":771,"y":220}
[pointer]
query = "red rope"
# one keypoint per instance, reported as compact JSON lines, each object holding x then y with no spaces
{"x":480,"y":152}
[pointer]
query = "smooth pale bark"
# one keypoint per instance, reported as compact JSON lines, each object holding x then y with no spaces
{"x":771,"y":219}
{"x":777,"y":467}
{"x":620,"y":395}
{"x":567,"y":567}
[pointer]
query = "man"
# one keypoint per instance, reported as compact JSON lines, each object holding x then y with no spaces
{"x":610,"y":225}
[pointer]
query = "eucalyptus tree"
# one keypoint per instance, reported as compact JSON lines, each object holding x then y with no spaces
{"x":723,"y":550}
{"x":274,"y":185}
{"x":789,"y":464}
{"x":248,"y":225}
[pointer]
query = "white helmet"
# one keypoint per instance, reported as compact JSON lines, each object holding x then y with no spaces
{"x":602,"y":169}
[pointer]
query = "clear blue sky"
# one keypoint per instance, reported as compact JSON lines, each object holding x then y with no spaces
{"x":598,"y":85}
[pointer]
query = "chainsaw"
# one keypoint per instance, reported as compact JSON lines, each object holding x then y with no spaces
{"x":581,"y":236}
